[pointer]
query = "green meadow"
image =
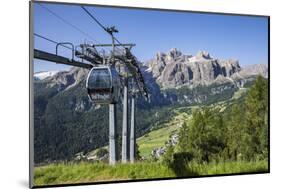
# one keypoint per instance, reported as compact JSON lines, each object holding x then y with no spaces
{"x":83,"y":172}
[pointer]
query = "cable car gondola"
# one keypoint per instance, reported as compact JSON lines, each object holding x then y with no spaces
{"x":103,"y":85}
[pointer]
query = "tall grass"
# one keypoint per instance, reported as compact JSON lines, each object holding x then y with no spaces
{"x":230,"y":167}
{"x":65,"y":173}
{"x":91,"y":172}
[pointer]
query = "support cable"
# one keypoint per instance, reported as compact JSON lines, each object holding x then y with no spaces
{"x":96,"y":20}
{"x":102,"y":26}
{"x":67,"y":22}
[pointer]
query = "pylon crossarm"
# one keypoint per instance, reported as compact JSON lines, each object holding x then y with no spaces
{"x":42,"y":55}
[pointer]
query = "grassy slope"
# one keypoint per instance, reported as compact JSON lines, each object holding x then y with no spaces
{"x":91,"y":172}
{"x":157,"y":138}
{"x":239,"y":93}
{"x":84,"y":172}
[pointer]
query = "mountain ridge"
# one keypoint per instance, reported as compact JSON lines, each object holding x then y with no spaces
{"x":175,"y":69}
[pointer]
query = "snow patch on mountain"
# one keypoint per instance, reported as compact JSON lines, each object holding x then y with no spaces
{"x":44,"y":74}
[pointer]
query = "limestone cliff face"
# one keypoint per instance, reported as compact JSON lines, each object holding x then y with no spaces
{"x":174,"y":69}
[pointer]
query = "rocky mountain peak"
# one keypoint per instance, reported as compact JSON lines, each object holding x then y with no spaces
{"x":159,"y":56}
{"x":203,"y":54}
{"x":175,"y":69}
{"x":173,"y":54}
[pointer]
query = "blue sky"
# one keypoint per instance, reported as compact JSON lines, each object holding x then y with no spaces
{"x":224,"y":36}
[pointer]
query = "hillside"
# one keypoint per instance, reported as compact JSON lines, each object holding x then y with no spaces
{"x":155,"y":139}
{"x":158,"y":137}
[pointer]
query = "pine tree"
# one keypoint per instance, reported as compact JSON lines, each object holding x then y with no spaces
{"x":257,"y":120}
{"x":183,"y":138}
{"x":235,"y":131}
{"x":204,"y":137}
